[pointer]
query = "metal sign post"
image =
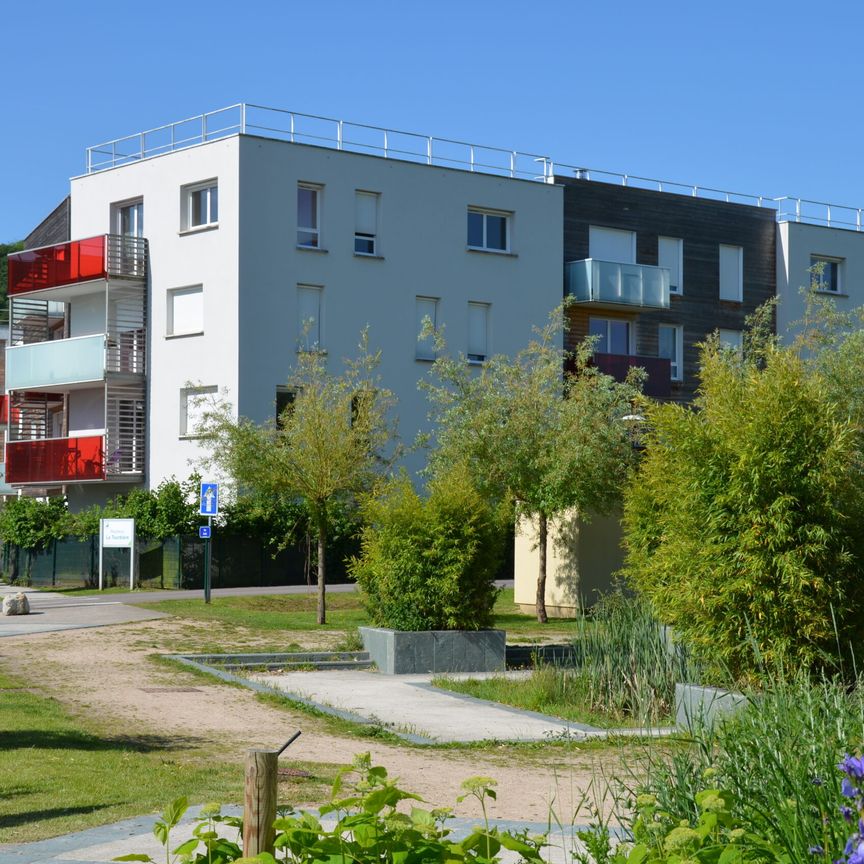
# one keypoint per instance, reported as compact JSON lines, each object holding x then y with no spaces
{"x":209,"y":507}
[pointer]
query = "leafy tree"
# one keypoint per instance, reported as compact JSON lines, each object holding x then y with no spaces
{"x":429,"y":564}
{"x":32,"y":524}
{"x":326,"y":448}
{"x":547,"y":440}
{"x":744,"y":521}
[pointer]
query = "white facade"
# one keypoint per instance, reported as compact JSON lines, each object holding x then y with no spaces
{"x":256,"y":281}
{"x":829,"y":259}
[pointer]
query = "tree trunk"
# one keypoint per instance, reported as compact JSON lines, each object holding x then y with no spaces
{"x":542,"y":531}
{"x":322,"y":569}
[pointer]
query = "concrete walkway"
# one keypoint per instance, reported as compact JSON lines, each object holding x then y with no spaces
{"x":50,"y":611}
{"x":412,"y":708}
{"x":131,"y":836}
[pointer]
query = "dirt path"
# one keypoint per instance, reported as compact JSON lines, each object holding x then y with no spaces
{"x":106,"y":673}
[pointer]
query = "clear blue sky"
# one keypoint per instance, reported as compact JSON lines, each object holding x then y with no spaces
{"x":757,"y":96}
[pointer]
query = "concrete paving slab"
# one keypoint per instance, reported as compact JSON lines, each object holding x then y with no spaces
{"x":50,"y":612}
{"x":410,"y":705}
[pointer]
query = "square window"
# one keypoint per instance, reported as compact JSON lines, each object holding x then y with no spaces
{"x":185,"y":312}
{"x":671,"y":347}
{"x":478,"y":332}
{"x":308,"y":318}
{"x":731,"y":273}
{"x":365,"y":223}
{"x":425,"y":307}
{"x":732,"y":339}
{"x":613,"y":335}
{"x":488,"y":230}
{"x":825,"y":273}
{"x":308,"y":216}
{"x":199,"y":206}
{"x":193,"y":405}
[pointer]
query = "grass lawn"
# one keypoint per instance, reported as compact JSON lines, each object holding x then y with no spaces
{"x":345,"y":612}
{"x":536,"y":693}
{"x":62,"y":773}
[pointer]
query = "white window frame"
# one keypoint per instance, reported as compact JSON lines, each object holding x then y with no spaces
{"x":365,"y":236}
{"x":187,"y":393}
{"x":304,"y":342}
{"x":630,"y":334}
{"x":676,"y":363}
{"x":135,"y":206}
{"x":313,"y":230}
{"x":739,"y":282}
{"x":187,"y":196}
{"x":817,"y":280}
{"x":500,"y":214}
{"x":475,"y":358}
{"x":679,"y":288}
{"x":170,"y":331}
{"x":425,"y":348}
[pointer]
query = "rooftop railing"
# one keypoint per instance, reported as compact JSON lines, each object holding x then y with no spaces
{"x":248,"y":119}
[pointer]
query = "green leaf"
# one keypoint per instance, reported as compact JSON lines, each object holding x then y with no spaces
{"x":188,"y":847}
{"x":134,"y":857}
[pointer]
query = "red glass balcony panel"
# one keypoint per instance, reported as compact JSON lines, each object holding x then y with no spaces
{"x":52,"y":266}
{"x":4,"y":410}
{"x":658,"y":384}
{"x":55,"y":460}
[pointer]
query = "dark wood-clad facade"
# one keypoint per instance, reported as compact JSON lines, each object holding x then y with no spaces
{"x":703,"y":225}
{"x":54,"y":228}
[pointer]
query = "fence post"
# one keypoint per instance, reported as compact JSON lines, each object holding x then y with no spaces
{"x":259,"y":801}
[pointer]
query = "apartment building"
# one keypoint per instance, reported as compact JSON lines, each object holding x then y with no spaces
{"x":204,"y":269}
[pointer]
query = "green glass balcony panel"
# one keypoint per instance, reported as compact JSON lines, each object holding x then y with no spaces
{"x":53,"y":364}
{"x":617,"y":284}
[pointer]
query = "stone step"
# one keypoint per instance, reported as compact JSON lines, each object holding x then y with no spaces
{"x":318,"y":665}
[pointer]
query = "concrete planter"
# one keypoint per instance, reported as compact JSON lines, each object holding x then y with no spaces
{"x":701,"y":706}
{"x":400,"y":652}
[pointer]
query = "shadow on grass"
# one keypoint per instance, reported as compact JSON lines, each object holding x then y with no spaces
{"x":71,"y":740}
{"x":13,"y":820}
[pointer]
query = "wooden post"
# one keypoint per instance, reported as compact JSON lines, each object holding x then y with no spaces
{"x":259,"y":804}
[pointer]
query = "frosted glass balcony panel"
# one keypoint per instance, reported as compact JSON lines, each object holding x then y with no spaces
{"x":53,"y":364}
{"x":616,"y":284}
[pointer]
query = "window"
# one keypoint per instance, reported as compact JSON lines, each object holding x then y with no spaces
{"x":825,"y":273}
{"x":193,"y":405}
{"x":478,"y":332}
{"x":308,"y":216}
{"x":365,"y":223}
{"x":199,"y":206}
{"x":488,"y":230}
{"x":613,"y":335}
{"x":611,"y":244}
{"x":425,"y":307}
{"x":285,"y":397}
{"x":731,"y":339}
{"x":731,"y":273}
{"x":671,"y":347}
{"x":308,"y":318}
{"x":185,"y":313}
{"x":128,"y":218}
{"x":670,"y":254}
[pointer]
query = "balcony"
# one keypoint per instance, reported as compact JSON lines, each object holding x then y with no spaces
{"x":658,"y":384}
{"x":609,"y":283}
{"x":61,"y":363}
{"x":96,"y":258}
{"x":55,"y":460}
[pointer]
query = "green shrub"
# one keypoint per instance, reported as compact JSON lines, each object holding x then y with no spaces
{"x":428,"y":564}
{"x":745,"y":521}
{"x":625,"y":663}
{"x":778,"y":758}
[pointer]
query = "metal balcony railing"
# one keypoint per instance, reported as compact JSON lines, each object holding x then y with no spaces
{"x":617,"y":284}
{"x":77,"y":261}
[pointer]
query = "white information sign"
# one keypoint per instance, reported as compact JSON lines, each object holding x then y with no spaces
{"x":118,"y":533}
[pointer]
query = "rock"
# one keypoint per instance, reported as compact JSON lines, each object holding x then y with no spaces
{"x":16,"y":604}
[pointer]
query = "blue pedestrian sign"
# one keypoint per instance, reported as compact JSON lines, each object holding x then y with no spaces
{"x":204,"y":532}
{"x":209,"y":499}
